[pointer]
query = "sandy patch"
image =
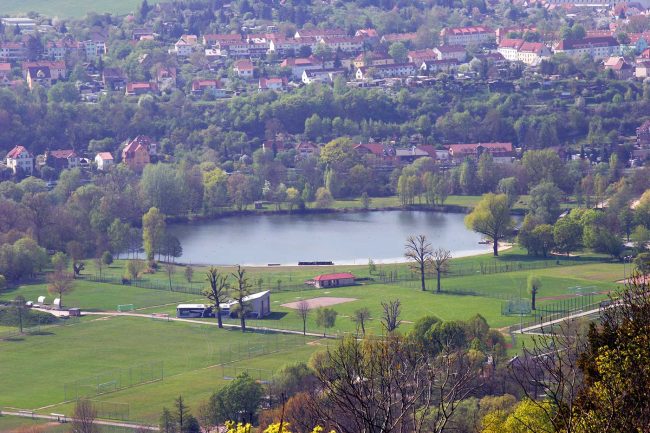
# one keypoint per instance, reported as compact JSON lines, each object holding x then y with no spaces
{"x":323,"y":301}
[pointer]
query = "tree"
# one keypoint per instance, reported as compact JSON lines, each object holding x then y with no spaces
{"x":19,"y":306}
{"x":491,"y":217}
{"x":567,"y":235}
{"x":303,"y":312}
{"x":390,"y":314}
{"x":526,"y":417}
{"x":134,"y":268}
{"x":83,"y":419}
{"x":365,"y":200}
{"x":107,"y":258}
{"x":241,"y":291}
{"x":170,"y":270}
{"x":188,"y":272}
{"x":59,"y":261}
{"x":360,"y":317}
{"x":118,"y":235}
{"x":99,"y":265}
{"x":389,"y":385}
{"x":534,"y":284}
{"x":418,"y":250}
{"x":217,"y":292}
{"x":398,"y":52}
{"x":326,"y":318}
{"x":238,"y":400}
{"x":323,"y":198}
{"x":60,"y":283}
{"x":440,"y":262}
{"x":167,"y":423}
{"x":3,"y":282}
{"x":545,"y":202}
{"x":182,"y":413}
{"x":153,"y":231}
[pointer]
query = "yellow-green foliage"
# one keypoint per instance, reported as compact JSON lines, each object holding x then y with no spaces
{"x":528,"y":416}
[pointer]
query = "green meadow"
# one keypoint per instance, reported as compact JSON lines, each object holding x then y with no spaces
{"x":68,"y":8}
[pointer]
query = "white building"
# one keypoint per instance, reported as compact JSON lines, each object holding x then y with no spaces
{"x":104,"y":161}
{"x":20,"y":158}
{"x":259,"y":304}
{"x":597,"y":47}
{"x":468,"y":35}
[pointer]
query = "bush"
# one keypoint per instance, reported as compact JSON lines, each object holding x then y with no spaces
{"x":9,"y":317}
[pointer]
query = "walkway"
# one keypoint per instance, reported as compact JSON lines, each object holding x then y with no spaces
{"x":59,"y":418}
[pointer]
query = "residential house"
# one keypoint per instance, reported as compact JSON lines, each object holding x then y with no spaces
{"x":408,"y":155}
{"x":642,"y":69}
{"x":397,"y":70}
{"x":475,"y":35}
{"x":372,"y":59}
{"x":319,"y":33}
{"x":214,"y":40}
{"x":333,"y":280}
{"x":368,"y":35}
{"x":24,"y":24}
{"x":448,"y":52}
{"x":322,"y":75}
{"x":58,"y":69}
{"x":213,"y":87}
{"x":532,"y":53}
{"x":143,"y":34}
{"x":306,"y":149}
{"x":40,"y":76}
{"x":19,"y":159}
{"x":95,"y":49}
{"x":643,"y":134}
{"x":418,"y":56}
{"x":12,"y":52}
{"x":59,"y":50}
{"x":376,"y":150}
{"x":434,"y":66}
{"x":273,"y":83}
{"x":166,"y":77}
{"x":104,"y":161}
{"x":113,"y":79}
{"x":244,"y":69}
{"x":620,"y":67}
{"x":62,"y":159}
{"x":5,"y":70}
{"x":597,"y":47}
{"x":185,"y":45}
{"x":501,"y":152}
{"x":141,"y":88}
{"x":509,"y":48}
{"x":300,"y":65}
{"x":288,"y":47}
{"x":136,"y":154}
{"x":346,"y":44}
{"x":399,"y":37}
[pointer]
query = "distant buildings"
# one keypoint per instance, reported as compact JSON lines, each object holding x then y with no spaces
{"x":464,"y":36}
{"x":20,"y":160}
{"x":597,"y":47}
{"x":104,"y":161}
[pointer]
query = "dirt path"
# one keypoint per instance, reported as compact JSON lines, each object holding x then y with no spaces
{"x":32,"y":415}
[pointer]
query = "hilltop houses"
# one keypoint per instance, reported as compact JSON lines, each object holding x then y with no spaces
{"x":137,"y":153}
{"x":464,"y":36}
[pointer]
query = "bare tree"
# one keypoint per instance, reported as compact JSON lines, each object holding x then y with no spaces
{"x":440,"y":263}
{"x":19,"y":306}
{"x":391,"y":385}
{"x":83,"y":419}
{"x":361,"y":316}
{"x":59,"y":283}
{"x":390,"y":315}
{"x":303,"y":312}
{"x":241,"y":291}
{"x":218,"y":290}
{"x":418,"y":250}
{"x":170,"y":270}
{"x":99,"y":265}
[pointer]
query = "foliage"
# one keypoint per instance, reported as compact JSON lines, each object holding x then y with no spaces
{"x":325,"y":318}
{"x":491,"y":217}
{"x":238,"y":400}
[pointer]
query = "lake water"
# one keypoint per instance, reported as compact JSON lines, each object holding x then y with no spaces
{"x":344,"y":238}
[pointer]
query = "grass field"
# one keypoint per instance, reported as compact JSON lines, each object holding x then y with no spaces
{"x":68,"y":8}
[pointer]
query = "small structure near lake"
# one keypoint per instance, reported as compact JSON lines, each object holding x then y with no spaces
{"x":332,"y":280}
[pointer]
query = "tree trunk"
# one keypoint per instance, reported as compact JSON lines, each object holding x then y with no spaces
{"x":533,"y":300}
{"x":495,"y":247}
{"x":219,"y":321}
{"x":422,"y":277}
{"x":438,"y":281}
{"x":304,"y":328}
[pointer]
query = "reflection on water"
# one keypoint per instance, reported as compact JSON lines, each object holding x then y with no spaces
{"x":339,"y":237}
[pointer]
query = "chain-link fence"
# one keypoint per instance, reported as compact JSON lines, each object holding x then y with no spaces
{"x":113,"y":380}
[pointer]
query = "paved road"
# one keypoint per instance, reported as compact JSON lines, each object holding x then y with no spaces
{"x":539,"y":326}
{"x":27,"y":414}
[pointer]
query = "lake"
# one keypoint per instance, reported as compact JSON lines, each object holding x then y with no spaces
{"x":344,"y":238}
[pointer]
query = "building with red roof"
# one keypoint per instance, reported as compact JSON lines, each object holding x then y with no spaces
{"x":62,"y":159}
{"x":334,"y":280}
{"x":136,"y":154}
{"x":104,"y":161}
{"x":467,"y":35}
{"x":501,"y":152}
{"x":19,"y":159}
{"x":597,"y":47}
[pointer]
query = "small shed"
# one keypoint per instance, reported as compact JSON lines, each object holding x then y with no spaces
{"x":259,"y":304}
{"x":334,"y":280}
{"x":74,"y":312}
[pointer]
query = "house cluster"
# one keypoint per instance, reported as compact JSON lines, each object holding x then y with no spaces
{"x":136,"y":154}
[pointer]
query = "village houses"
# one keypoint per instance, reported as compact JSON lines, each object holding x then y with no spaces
{"x":20,"y":160}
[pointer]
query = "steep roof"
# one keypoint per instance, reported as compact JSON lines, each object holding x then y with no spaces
{"x":63,"y":153}
{"x":105,"y":156}
{"x":16,"y":151}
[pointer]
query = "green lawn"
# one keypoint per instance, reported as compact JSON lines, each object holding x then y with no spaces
{"x":35,"y":368}
{"x":68,"y":8}
{"x":13,"y":423}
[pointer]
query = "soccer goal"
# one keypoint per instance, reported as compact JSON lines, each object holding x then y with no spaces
{"x":125,"y":307}
{"x":519,"y":307}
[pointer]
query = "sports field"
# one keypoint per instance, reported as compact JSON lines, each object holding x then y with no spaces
{"x":198,"y":358}
{"x":68,"y":8}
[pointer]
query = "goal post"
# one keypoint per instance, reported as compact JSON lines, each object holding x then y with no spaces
{"x":125,"y":307}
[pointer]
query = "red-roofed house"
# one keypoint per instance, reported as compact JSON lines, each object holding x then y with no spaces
{"x":104,"y":161}
{"x":319,"y":33}
{"x":58,"y":69}
{"x":531,"y":53}
{"x":307,"y":149}
{"x":62,"y":159}
{"x":377,"y":150}
{"x":419,"y":56}
{"x":334,"y":280}
{"x":371,"y":59}
{"x":501,"y":152}
{"x":597,"y":47}
{"x":369,"y":35}
{"x":467,"y":35}
{"x":622,"y":69}
{"x":273,"y":83}
{"x":212,"y":40}
{"x":136,"y":154}
{"x":5,"y":70}
{"x":509,"y":48}
{"x":213,"y":87}
{"x":244,"y":68}
{"x":449,"y":52}
{"x":19,"y":158}
{"x":300,"y":65}
{"x":140,"y":88}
